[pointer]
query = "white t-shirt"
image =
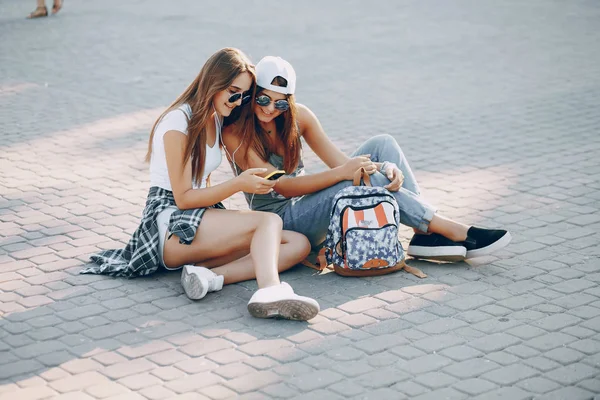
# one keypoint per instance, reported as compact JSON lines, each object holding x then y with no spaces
{"x":177,"y":120}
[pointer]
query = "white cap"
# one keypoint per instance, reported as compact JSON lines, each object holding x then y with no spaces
{"x":270,"y":67}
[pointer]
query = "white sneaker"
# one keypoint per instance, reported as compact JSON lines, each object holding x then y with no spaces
{"x":280,"y":301}
{"x":197,"y":281}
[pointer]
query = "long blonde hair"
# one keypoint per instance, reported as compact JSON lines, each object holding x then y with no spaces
{"x":217,"y":74}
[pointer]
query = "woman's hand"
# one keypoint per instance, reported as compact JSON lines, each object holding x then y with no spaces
{"x":350,"y":167}
{"x":395,"y":175}
{"x":249,"y":182}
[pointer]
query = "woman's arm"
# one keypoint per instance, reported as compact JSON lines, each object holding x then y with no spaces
{"x":319,"y":142}
{"x":298,"y":186}
{"x":314,"y":135}
{"x":181,"y":178}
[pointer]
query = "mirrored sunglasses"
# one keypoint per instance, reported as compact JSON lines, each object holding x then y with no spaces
{"x":264,"y":100}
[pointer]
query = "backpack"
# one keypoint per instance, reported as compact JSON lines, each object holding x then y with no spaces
{"x":362,"y":239}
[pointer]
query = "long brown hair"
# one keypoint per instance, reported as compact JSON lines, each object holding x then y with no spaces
{"x":217,"y":74}
{"x":287,"y":132}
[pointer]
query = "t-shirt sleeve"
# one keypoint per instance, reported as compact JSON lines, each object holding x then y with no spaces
{"x":174,"y":120}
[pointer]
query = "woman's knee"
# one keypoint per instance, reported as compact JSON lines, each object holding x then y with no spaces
{"x":269,"y":219}
{"x":385,"y":140}
{"x":301,"y":243}
{"x":378,"y":144}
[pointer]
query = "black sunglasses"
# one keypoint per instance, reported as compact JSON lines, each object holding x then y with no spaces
{"x":236,"y":96}
{"x":264,"y":100}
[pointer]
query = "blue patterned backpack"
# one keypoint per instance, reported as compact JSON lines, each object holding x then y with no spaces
{"x":362,"y":239}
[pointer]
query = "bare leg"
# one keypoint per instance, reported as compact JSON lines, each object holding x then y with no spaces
{"x":40,"y":11}
{"x":56,"y":6}
{"x":225,"y":232}
{"x":294,"y":248}
{"x":446,"y":227}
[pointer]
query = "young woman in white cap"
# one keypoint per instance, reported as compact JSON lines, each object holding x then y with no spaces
{"x":184,"y":224}
{"x":270,"y":138}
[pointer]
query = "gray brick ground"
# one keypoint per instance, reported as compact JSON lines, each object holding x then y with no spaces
{"x":495,"y":105}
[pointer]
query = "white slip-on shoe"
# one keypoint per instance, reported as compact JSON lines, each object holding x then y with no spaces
{"x":198,"y":281}
{"x":280,"y":301}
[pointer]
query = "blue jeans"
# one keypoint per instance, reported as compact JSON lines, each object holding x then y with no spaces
{"x":310,"y":214}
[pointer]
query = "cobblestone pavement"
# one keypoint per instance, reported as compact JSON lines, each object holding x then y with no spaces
{"x":497,"y":106}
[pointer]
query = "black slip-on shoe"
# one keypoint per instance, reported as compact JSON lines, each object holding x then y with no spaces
{"x":481,"y":242}
{"x":436,"y":247}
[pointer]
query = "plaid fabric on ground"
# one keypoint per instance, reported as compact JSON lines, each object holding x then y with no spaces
{"x":141,"y":257}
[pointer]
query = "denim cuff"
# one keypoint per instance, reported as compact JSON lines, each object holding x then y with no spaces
{"x":426,"y":218}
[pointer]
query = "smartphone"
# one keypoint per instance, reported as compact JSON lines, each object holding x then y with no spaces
{"x":273,"y":176}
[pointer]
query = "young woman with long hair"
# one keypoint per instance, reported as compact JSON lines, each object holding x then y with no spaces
{"x":270,"y":138}
{"x":184,"y":225}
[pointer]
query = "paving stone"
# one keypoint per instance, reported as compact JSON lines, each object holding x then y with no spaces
{"x":410,"y":388}
{"x":218,"y":392}
{"x":550,"y":341}
{"x":31,"y":393}
{"x":441,"y":325}
{"x":430,"y":362}
{"x":505,"y":393}
{"x":127,"y":368}
{"x":167,"y":373}
{"x":106,"y":389}
{"x":192,"y":383}
{"x":382,"y":360}
{"x":383,"y":342}
{"x":263,"y":363}
{"x":587,"y":346}
{"x":207,"y":346}
{"x":538,"y":385}
{"x":318,"y":394}
{"x":350,"y":368}
{"x":494,"y":342}
{"x":564,"y":355}
{"x":347,"y":388}
{"x":541,"y":363}
{"x":474,"y":386}
{"x":569,"y":393}
{"x":572,"y":374}
{"x":446,"y":393}
{"x":361,"y":305}
{"x":593,"y":385}
{"x":470,"y":368}
{"x":509,"y":375}
{"x":78,"y":382}
{"x":381,"y":377}
{"x":461,"y":353}
{"x":196,"y":365}
{"x":435,"y":380}
{"x":503,"y":358}
{"x":139,"y":381}
{"x":255,"y":381}
{"x":383,"y":394}
{"x":437,"y":343}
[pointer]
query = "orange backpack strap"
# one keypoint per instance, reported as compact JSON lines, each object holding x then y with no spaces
{"x":415,"y":271}
{"x":321,"y":260}
{"x":361,"y":174}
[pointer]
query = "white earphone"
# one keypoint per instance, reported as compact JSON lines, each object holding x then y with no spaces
{"x":231,"y":156}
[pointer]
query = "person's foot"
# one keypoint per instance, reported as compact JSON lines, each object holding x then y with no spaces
{"x":436,"y":247}
{"x":38,"y":13}
{"x":57,"y":6}
{"x":481,"y":242}
{"x":198,"y":281}
{"x":280,"y":301}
